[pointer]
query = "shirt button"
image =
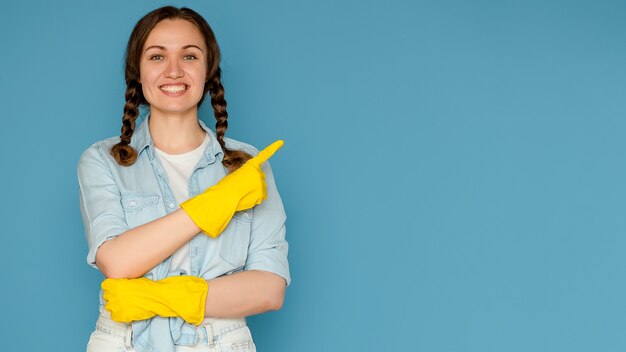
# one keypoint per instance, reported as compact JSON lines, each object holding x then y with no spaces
{"x":132,"y":203}
{"x":245,"y":215}
{"x":171,"y":205}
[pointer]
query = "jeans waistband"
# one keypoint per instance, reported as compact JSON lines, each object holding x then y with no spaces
{"x":209,"y":330}
{"x":111,"y":327}
{"x":106,"y":324}
{"x":212,"y":328}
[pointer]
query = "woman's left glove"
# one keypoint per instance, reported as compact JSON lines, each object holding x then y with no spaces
{"x":242,"y":189}
{"x":139,"y":299}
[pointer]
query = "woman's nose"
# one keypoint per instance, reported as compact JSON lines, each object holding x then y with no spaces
{"x":174,"y":69}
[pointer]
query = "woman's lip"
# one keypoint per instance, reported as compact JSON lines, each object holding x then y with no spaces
{"x":174,"y":89}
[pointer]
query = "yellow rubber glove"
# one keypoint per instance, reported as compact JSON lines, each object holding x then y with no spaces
{"x":138,"y":299}
{"x":240,"y":190}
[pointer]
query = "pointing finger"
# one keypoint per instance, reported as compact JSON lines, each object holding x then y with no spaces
{"x":266,"y":153}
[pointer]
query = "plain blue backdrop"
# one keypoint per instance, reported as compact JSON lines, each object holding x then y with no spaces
{"x":454,"y":171}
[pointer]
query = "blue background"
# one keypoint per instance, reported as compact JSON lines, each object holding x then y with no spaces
{"x":454,"y":171}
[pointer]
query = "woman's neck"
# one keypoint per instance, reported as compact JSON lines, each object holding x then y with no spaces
{"x":176,"y":133}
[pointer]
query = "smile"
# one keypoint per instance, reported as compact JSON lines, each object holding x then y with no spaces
{"x":174,"y":89}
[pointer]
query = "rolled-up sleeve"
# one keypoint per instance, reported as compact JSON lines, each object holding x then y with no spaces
{"x":268,"y":248}
{"x":100,"y":201}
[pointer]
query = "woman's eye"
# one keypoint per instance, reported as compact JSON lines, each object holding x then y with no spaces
{"x":189,"y":57}
{"x":156,"y":57}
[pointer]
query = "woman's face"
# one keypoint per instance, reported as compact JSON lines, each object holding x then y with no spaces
{"x":173,"y":67}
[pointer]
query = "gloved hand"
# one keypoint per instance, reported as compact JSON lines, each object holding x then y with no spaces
{"x":139,"y":299}
{"x":240,"y":190}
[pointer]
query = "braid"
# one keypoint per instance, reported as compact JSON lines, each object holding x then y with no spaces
{"x":123,"y":153}
{"x":233,"y":159}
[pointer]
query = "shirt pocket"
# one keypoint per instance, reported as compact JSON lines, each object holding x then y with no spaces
{"x":140,"y":209}
{"x":236,"y":238}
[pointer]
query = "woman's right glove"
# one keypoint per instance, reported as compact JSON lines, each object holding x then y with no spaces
{"x":240,"y":190}
{"x":138,"y":299}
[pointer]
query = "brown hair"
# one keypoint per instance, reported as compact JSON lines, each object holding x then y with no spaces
{"x":123,"y":153}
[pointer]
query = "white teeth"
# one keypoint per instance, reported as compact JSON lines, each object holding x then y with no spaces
{"x":174,"y":89}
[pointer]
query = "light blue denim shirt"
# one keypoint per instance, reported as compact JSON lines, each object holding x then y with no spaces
{"x":115,"y":198}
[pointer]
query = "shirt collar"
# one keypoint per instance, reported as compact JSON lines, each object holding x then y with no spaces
{"x":142,"y":140}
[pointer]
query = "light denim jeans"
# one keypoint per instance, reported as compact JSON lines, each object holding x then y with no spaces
{"x":214,"y":335}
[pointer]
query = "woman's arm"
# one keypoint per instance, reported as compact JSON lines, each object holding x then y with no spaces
{"x":192,"y":298}
{"x":136,"y":251}
{"x":244,"y":293}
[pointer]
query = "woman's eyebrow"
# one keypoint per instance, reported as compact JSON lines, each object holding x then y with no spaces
{"x":155,"y":47}
{"x":160,"y":47}
{"x":192,"y":46}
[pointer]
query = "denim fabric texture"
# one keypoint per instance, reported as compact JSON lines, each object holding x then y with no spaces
{"x":223,"y":335}
{"x":115,"y":198}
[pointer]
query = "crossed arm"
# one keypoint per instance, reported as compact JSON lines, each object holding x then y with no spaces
{"x":135,"y":251}
{"x":138,"y":250}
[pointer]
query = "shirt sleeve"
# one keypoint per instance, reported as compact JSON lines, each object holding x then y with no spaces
{"x":100,"y":201}
{"x":268,"y":248}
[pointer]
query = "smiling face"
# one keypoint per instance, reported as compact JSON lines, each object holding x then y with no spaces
{"x":173,"y":68}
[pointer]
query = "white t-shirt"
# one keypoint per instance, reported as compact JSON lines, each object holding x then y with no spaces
{"x":179,"y":168}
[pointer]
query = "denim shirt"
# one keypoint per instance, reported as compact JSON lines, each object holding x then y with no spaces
{"x":114,"y":199}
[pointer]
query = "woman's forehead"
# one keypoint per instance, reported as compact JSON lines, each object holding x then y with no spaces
{"x":173,"y":34}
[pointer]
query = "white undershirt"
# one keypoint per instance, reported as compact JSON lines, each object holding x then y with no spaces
{"x":179,"y":168}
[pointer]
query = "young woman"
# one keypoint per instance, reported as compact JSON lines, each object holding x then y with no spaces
{"x":180,"y":278}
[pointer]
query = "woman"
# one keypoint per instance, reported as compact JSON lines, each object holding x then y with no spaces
{"x":180,"y":279}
